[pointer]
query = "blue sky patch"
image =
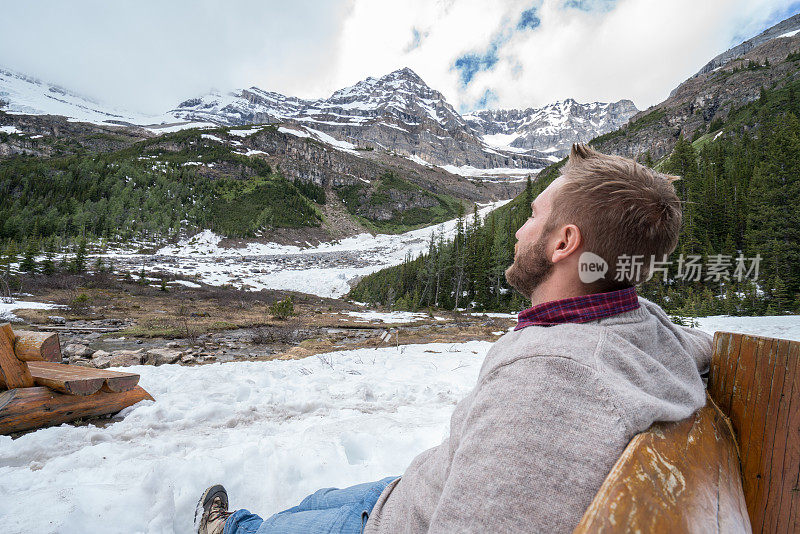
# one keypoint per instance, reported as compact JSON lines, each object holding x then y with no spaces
{"x":471,"y":63}
{"x":778,"y":16}
{"x":528,"y":20}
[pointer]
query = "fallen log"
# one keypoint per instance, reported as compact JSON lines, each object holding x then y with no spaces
{"x":35,"y":407}
{"x":13,"y":373}
{"x":37,"y":346}
{"x":112,"y":381}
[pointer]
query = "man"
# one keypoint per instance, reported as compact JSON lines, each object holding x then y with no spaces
{"x":587,"y":367}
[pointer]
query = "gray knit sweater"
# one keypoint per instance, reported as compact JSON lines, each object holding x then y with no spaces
{"x":553,"y":409}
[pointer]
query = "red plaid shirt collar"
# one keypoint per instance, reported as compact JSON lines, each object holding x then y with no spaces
{"x":579,"y":309}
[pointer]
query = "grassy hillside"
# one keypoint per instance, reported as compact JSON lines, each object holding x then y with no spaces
{"x":152,"y":189}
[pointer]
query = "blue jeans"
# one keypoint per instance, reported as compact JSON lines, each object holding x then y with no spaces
{"x":329,"y":511}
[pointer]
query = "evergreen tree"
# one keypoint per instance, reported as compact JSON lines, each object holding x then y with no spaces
{"x":28,"y":263}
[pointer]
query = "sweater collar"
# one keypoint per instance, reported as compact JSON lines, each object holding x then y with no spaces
{"x":579,"y":309}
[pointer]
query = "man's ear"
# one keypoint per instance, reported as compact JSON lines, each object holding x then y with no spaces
{"x":568,"y":240}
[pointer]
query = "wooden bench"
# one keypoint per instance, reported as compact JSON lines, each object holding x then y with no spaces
{"x":37,"y":390}
{"x":731,"y":467}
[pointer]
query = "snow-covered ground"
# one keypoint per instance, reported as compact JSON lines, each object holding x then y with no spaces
{"x":391,"y":317}
{"x":271,"y":432}
{"x":780,"y":326}
{"x":7,"y":308}
{"x":323,"y":270}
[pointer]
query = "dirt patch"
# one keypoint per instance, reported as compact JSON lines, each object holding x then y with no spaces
{"x":108,"y":312}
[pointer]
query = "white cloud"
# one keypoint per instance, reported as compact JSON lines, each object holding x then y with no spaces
{"x":149,"y":55}
{"x":638,"y":49}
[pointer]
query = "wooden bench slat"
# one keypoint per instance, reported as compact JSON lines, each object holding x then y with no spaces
{"x":728,"y":364}
{"x":111,"y":381}
{"x":758,"y":377}
{"x":757,"y":459}
{"x":29,"y":408}
{"x":13,"y":372}
{"x":786,"y":502}
{"x":749,"y":385}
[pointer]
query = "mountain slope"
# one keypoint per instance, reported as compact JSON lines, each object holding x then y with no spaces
{"x":697,"y":105}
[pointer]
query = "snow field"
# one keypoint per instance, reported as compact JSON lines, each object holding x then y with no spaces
{"x":324,"y":270}
{"x":271,"y":432}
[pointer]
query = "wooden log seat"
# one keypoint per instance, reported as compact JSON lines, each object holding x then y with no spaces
{"x":36,"y":390}
{"x":734,"y":466}
{"x":29,"y":408}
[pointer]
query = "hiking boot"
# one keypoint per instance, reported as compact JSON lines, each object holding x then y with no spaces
{"x":212,"y":511}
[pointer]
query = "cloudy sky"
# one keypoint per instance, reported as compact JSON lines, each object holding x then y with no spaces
{"x":149,"y":55}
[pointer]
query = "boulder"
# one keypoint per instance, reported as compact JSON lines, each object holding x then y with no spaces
{"x":76,"y":350}
{"x":119,"y":358}
{"x":162,"y":356}
{"x":56,"y":319}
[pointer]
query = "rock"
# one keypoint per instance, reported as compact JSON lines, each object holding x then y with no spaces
{"x":173,"y":345}
{"x":100,"y":354}
{"x":76,"y":350}
{"x":162,"y":356}
{"x":56,"y":319}
{"x":188,"y":358}
{"x":119,"y":358}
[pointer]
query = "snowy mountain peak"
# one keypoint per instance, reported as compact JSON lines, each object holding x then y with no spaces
{"x":20,"y":93}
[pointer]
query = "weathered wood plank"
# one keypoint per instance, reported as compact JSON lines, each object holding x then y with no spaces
{"x":37,"y":346}
{"x":113,"y":381}
{"x":765,"y":421}
{"x":676,"y":477}
{"x":788,"y":502}
{"x":35,"y":407}
{"x":765,"y":411}
{"x":13,"y":372}
{"x":741,"y":384}
{"x":728,"y":362}
{"x":774,"y":482}
{"x":750,"y":443}
{"x":721,"y":346}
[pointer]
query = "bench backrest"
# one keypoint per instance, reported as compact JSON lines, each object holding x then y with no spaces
{"x":755,"y":381}
{"x":690,"y":476}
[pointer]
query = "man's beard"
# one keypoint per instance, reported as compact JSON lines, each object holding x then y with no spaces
{"x":531,"y":267}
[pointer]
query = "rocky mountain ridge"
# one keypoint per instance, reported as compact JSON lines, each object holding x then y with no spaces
{"x":397,"y":112}
{"x":553,"y":128}
{"x":787,"y":26}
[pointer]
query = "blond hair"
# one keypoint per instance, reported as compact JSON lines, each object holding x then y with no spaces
{"x":622,"y":208}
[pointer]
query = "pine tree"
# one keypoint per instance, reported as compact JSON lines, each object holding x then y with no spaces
{"x":48,"y":265}
{"x":80,"y":256}
{"x":28,"y":263}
